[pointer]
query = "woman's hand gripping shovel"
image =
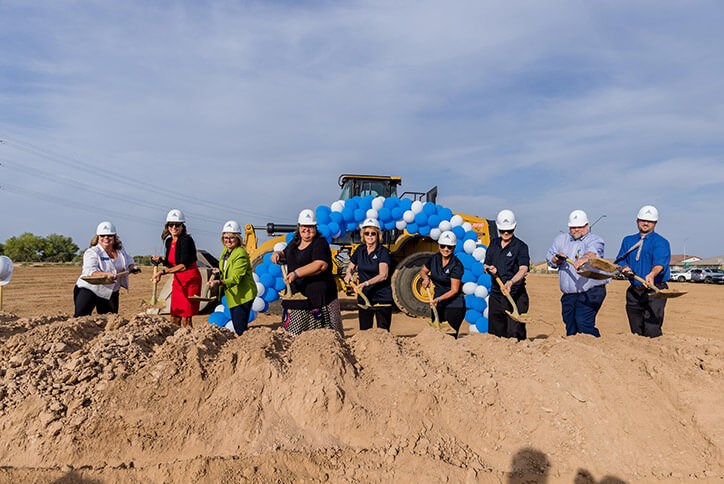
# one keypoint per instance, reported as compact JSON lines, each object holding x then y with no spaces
{"x":366,"y":304}
{"x":288,"y":296}
{"x":612,"y":268}
{"x":206,"y":297}
{"x":436,"y":323}
{"x":515,"y":315}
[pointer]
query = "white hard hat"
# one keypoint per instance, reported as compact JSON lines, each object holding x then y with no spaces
{"x":106,"y":228}
{"x":307,"y":217}
{"x":6,"y":269}
{"x":232,"y":227}
{"x":648,"y":212}
{"x":447,"y":238}
{"x":577,"y":218}
{"x":505,"y":220}
{"x":370,"y":222}
{"x":175,"y":215}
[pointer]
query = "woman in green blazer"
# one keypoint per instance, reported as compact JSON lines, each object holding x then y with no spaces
{"x":235,"y":276}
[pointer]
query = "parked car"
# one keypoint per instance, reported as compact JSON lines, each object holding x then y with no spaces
{"x":710,"y":276}
{"x":681,"y":276}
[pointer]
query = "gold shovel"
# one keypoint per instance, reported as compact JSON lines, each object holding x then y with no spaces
{"x":435,"y":323}
{"x":288,"y":296}
{"x":604,"y":265}
{"x":515,"y":315}
{"x":366,"y":304}
{"x":589,"y":273}
{"x":154,"y":302}
{"x":205,"y":297}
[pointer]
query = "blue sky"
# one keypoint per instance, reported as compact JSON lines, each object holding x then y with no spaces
{"x":251,"y":110}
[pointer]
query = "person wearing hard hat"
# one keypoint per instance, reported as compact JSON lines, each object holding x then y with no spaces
{"x":105,"y":257}
{"x":582,"y":297}
{"x":646,"y":254}
{"x":309,"y":271}
{"x":235,"y":276}
{"x":372,"y":260}
{"x":180,"y":260}
{"x":445,"y":271}
{"x":508,"y":258}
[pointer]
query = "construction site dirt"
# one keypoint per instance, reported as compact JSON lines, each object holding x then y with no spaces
{"x":131,"y":398}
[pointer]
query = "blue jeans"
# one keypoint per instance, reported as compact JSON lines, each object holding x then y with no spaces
{"x":579,"y":310}
{"x":240,"y":316}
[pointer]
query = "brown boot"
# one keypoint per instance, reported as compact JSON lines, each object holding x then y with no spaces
{"x":175,"y":320}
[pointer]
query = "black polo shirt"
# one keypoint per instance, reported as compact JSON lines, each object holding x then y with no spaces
{"x":368,"y":266}
{"x":442,"y":276}
{"x":507,"y":260}
{"x":321,"y":289}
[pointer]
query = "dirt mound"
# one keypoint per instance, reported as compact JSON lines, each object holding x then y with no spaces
{"x":115,"y":399}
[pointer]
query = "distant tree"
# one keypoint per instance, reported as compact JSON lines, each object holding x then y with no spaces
{"x":25,"y":248}
{"x":59,"y":248}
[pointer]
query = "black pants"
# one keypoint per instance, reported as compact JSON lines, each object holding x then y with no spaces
{"x":85,"y":301}
{"x":240,"y":316}
{"x":383,"y":315}
{"x":645,"y":313}
{"x":453,"y":316}
{"x":499,"y":323}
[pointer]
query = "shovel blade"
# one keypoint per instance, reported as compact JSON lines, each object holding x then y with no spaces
{"x":603,"y":265}
{"x":599,"y":276}
{"x":667,"y":293}
{"x":517,"y":317}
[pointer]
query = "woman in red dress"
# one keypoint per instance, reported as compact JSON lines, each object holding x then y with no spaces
{"x":180,"y":260}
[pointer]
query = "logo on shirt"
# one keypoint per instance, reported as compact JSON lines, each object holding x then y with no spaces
{"x":447,"y":271}
{"x":509,"y":254}
{"x":374,"y":257}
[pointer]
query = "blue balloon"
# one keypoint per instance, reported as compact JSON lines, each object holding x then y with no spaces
{"x":267,"y":279}
{"x":397,"y":213}
{"x":391,"y":202}
{"x":472,"y":316}
{"x":467,"y":277}
{"x":459,"y":249}
{"x":270,"y":295}
{"x":405,"y":204}
{"x":289,"y":237}
{"x":425,"y":230}
{"x":252,"y":316}
{"x":433,"y":221}
{"x":470,"y":235}
{"x":477,"y":269}
{"x":324,"y":231}
{"x":466,"y":259}
{"x":421,"y":218}
{"x":352,"y":204}
{"x":274,"y":270}
{"x":219,"y":319}
{"x":485,"y":280}
{"x":223,"y":302}
{"x":477,"y":304}
{"x":366,"y":202}
{"x":412,"y":228}
{"x":444,"y":213}
{"x":384,"y":214}
{"x":279,"y":284}
{"x":482,"y":324}
{"x":348,"y":214}
{"x":261,"y":269}
{"x":267,"y":258}
{"x":359,"y":215}
{"x":390,"y":225}
{"x":351,"y":226}
{"x":227,"y":312}
{"x":323,"y":212}
{"x":459,"y":232}
{"x":334,"y":228}
{"x":429,"y":208}
{"x":335,"y":217}
{"x":469,"y":300}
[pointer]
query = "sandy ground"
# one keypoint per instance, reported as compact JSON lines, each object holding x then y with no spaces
{"x":133,"y":399}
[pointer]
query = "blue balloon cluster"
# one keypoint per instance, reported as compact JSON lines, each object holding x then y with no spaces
{"x":426,"y":219}
{"x":222,"y":316}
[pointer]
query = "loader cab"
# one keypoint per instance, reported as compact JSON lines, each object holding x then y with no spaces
{"x":365,"y":185}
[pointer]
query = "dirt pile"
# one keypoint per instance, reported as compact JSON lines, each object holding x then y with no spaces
{"x":116,"y":399}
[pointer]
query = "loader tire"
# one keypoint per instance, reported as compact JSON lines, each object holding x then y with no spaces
{"x":407,"y":291}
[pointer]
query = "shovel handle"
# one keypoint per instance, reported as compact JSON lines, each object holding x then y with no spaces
{"x":356,"y":288}
{"x":506,"y":294}
{"x":435,"y":321}
{"x":646,"y":284}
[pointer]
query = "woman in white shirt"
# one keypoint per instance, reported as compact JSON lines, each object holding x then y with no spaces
{"x":105,"y":257}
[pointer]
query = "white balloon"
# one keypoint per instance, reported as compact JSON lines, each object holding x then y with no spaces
{"x":481,"y":292}
{"x":469,"y":246}
{"x":469,"y":287}
{"x":230,"y":326}
{"x":258,"y":304}
{"x":260,"y":289}
{"x":445,"y":226}
{"x":280,"y":246}
{"x":378,"y":203}
{"x":400,"y":225}
{"x":416,"y":206}
{"x":337,"y":206}
{"x":472,"y":328}
{"x":255,"y":276}
{"x":467,"y":226}
{"x":435,"y":234}
{"x":485,"y":311}
{"x":219,"y":308}
{"x":371,"y":213}
{"x":408,"y":216}
{"x":479,"y":253}
{"x":456,"y":220}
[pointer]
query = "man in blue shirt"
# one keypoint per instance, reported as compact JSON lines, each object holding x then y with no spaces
{"x":582,"y":297}
{"x":646,"y":254}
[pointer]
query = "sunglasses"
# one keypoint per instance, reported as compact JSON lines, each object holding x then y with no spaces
{"x":448,"y":247}
{"x":173,"y":224}
{"x":229,"y":238}
{"x":367,"y":234}
{"x":106,"y":236}
{"x":506,"y":231}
